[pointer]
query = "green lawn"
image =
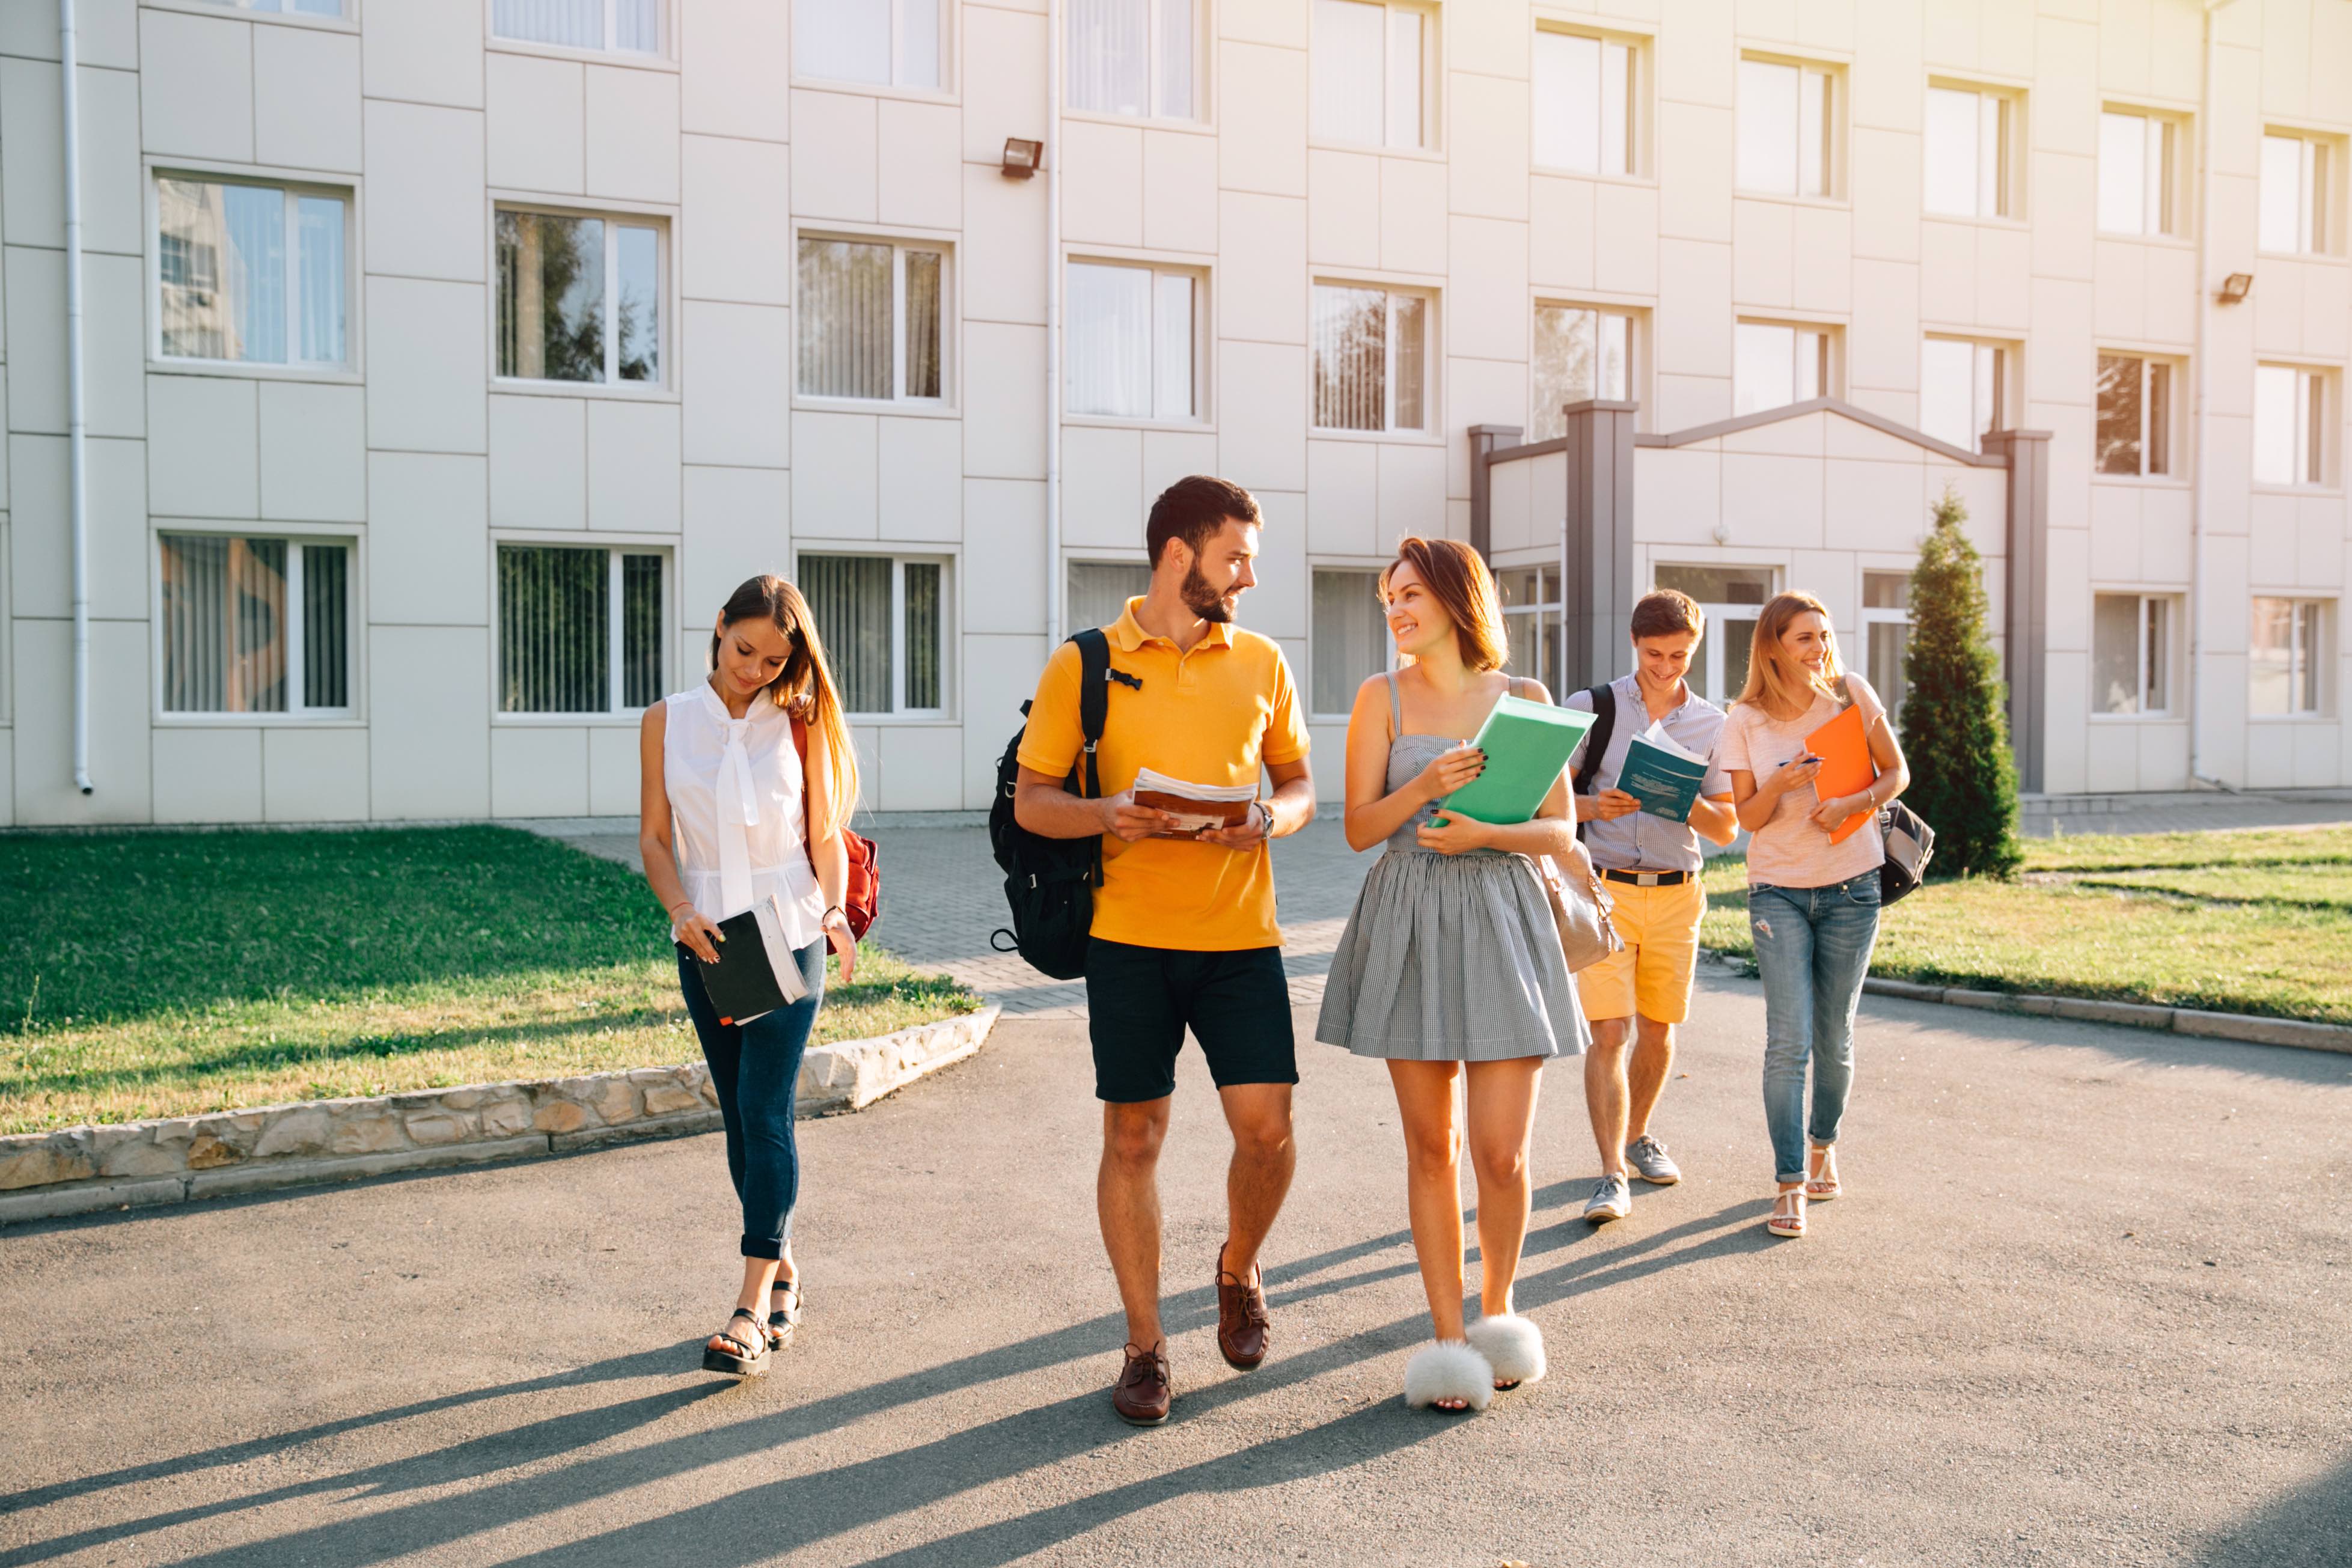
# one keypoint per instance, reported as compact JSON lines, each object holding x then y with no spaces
{"x":2251,"y":922}
{"x":159,"y":974}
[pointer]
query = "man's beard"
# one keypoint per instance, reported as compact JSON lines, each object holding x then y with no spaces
{"x":1204,"y":600}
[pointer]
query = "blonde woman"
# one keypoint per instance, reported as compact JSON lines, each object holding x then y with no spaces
{"x":1812,"y":906}
{"x":1451,"y":967}
{"x":721,"y":761}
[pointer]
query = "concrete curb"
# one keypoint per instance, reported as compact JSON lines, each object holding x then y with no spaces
{"x":2252,"y":1028}
{"x":314,"y":1142}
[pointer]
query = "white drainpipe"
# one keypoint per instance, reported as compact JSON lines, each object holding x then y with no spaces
{"x":1052,"y":162}
{"x":2202,"y":415}
{"x":77,"y":454}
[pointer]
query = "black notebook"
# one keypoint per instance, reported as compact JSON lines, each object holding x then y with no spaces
{"x":742,"y":985}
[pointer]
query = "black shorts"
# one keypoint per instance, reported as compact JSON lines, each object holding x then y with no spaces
{"x":1139,"y":1000}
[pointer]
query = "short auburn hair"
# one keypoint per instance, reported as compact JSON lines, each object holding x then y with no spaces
{"x":1663,"y":611}
{"x":1194,"y":510}
{"x":1457,"y":576}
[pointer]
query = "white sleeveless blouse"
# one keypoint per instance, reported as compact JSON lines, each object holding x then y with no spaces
{"x":735,"y":793}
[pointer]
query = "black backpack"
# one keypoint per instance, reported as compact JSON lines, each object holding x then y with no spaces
{"x":1596,"y":745}
{"x":1050,"y":882}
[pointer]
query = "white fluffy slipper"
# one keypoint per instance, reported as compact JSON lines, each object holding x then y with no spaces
{"x":1512,"y":1345}
{"x":1448,"y":1369}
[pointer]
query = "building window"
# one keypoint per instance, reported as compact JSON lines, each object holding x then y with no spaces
{"x":1580,"y":354}
{"x":578,"y":298}
{"x":1532,"y":611}
{"x":2131,"y":654}
{"x":1968,"y":154}
{"x":255,"y":625}
{"x":1774,"y":364}
{"x":1732,"y":597}
{"x":1961,"y":388}
{"x":251,"y":274}
{"x":563,"y":609}
{"x":1787,"y":138}
{"x":1350,"y":639}
{"x":1371,"y":74}
{"x":2287,"y":654}
{"x":625,"y":26}
{"x":1099,"y":590}
{"x":286,"y":8}
{"x":2135,"y":417}
{"x":883,"y":624}
{"x":1886,"y":636}
{"x":2296,"y":171}
{"x":2290,"y":425}
{"x":872,"y":320}
{"x":890,"y":43}
{"x":2137,"y":156}
{"x":1371,"y":358}
{"x":1132,"y":58}
{"x":1133,"y":341}
{"x":1584,"y":103}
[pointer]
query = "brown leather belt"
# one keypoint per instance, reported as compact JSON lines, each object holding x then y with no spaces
{"x":1649,"y":878}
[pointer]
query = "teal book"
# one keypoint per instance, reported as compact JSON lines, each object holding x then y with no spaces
{"x":1662,"y":775}
{"x":1527,"y":746}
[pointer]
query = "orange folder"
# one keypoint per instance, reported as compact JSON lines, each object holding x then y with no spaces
{"x":1843,"y":747}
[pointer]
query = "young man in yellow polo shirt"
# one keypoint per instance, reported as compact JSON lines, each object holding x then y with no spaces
{"x":1184,"y":931}
{"x":1651,"y":866}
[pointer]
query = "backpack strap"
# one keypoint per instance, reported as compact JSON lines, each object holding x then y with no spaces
{"x":1093,"y":698}
{"x":1603,"y":699}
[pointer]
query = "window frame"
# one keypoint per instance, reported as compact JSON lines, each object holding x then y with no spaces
{"x":900,"y":558}
{"x":2007,"y":170}
{"x":1203,"y":342}
{"x":1432,"y":429}
{"x":1432,"y":142}
{"x":2171,"y":672}
{"x":2311,"y":432}
{"x":1637,"y":81}
{"x":2302,"y":603}
{"x":667,"y":642}
{"x":1193,"y":118}
{"x":1538,"y":427}
{"x":353,"y":366}
{"x":607,"y":52}
{"x":1359,"y":565}
{"x":1829,"y":368}
{"x":351,"y":538}
{"x":614,"y":218}
{"x":1882,"y":615}
{"x":2168,"y":183}
{"x":2320,"y":181}
{"x":944,"y":89}
{"x":2176,"y":374}
{"x":2005,"y":355}
{"x":1832,"y":169}
{"x":346,"y":21}
{"x":900,"y":241}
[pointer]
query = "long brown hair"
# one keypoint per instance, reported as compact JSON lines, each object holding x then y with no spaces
{"x":1778,"y":683}
{"x":1455,"y":575}
{"x":805,"y":686}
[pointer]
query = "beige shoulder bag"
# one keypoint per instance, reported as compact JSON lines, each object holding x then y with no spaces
{"x":1580,"y":907}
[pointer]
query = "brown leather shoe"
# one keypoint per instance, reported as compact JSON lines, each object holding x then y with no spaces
{"x":1142,"y":1391}
{"x":1243,"y":1330}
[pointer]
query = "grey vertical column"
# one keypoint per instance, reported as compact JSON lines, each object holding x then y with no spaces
{"x":1599,"y":559}
{"x":1484,"y":441}
{"x":2026,"y":665}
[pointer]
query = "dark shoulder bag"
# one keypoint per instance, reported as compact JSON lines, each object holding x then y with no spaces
{"x":1049,"y":883}
{"x":1908,"y":841}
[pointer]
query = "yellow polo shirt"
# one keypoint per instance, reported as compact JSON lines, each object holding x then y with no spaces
{"x":1208,"y":716}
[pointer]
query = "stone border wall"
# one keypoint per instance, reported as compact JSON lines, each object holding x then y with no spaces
{"x":81,"y":1170}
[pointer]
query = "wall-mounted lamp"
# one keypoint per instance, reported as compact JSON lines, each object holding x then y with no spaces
{"x":2235,"y":288}
{"x":1023,"y":159}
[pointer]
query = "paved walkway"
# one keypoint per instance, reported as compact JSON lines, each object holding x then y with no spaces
{"x":2086,"y":1302}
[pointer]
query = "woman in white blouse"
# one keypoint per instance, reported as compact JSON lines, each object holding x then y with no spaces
{"x":754,"y":827}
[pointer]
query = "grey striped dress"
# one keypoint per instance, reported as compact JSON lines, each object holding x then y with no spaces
{"x":1448,"y":957}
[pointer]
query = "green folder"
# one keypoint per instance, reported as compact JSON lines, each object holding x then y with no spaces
{"x":1527,"y":746}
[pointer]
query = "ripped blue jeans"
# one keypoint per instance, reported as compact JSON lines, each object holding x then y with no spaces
{"x":1812,"y":949}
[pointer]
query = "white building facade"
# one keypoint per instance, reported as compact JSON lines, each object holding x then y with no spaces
{"x":447,"y":362}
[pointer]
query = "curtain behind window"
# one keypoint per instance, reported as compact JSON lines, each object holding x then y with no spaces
{"x":574,"y":24}
{"x":224,"y":602}
{"x":850,"y":597}
{"x":1350,"y":358}
{"x":1111,"y":56}
{"x":554,"y":630}
{"x":1350,"y":638}
{"x":844,"y":318}
{"x":842,"y":40}
{"x":1111,"y":341}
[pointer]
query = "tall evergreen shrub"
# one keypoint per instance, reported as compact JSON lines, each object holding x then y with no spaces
{"x":1955,"y":730}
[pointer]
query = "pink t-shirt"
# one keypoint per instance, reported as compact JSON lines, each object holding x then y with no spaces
{"x":1789,"y":851}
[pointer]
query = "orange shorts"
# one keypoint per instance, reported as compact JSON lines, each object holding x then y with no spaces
{"x":1653,"y":975}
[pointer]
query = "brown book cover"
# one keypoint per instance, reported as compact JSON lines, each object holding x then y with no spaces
{"x":1227,"y":813}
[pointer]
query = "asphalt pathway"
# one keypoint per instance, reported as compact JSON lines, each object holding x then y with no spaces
{"x":2087,"y":1301}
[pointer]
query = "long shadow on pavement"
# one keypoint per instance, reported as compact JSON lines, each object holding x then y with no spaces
{"x":2311,"y":1525}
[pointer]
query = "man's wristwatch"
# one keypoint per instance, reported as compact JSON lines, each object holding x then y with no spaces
{"x":1257,"y":806}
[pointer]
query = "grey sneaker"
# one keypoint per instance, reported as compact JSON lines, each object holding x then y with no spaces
{"x":1649,"y":1160}
{"x":1611,"y":1200}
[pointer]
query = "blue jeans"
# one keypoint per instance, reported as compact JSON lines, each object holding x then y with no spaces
{"x":1812,"y":948}
{"x":755,"y":1068}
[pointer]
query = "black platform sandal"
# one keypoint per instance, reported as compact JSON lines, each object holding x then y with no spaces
{"x":746,"y":1356}
{"x":782,"y":1323}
